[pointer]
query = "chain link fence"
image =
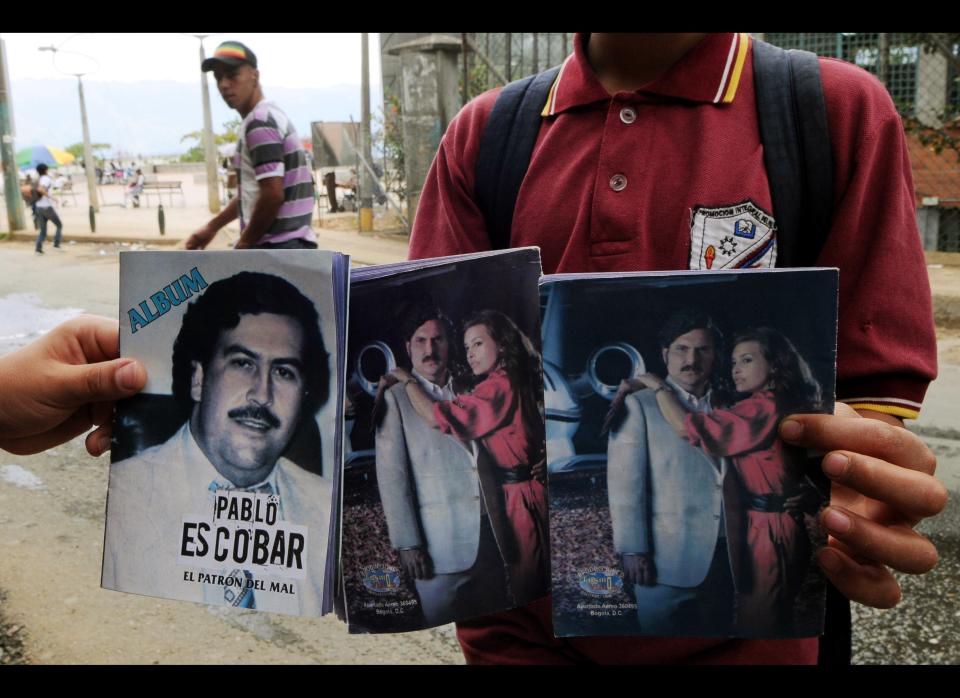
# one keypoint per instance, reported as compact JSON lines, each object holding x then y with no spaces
{"x":920,"y":71}
{"x":495,"y":59}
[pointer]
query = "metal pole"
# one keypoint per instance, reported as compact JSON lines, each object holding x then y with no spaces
{"x":465,"y":54}
{"x":883,"y":58}
{"x":11,"y":180}
{"x":209,"y":144}
{"x":88,"y":164}
{"x":487,"y":39}
{"x":509,"y":60}
{"x":366,"y":182}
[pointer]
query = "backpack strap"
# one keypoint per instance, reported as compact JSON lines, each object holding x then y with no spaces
{"x":792,"y":117}
{"x":505,"y":150}
{"x":797,"y":153}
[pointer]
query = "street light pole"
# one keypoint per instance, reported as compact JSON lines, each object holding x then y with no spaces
{"x":209,"y":144}
{"x":366,"y":178}
{"x":88,"y":164}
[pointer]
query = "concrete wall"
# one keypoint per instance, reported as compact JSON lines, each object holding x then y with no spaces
{"x":180,"y":168}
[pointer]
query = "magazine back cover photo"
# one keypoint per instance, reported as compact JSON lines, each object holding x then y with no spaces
{"x":445,"y":508}
{"x":675,"y":509}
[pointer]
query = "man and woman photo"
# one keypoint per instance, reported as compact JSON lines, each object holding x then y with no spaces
{"x":461,"y":464}
{"x":762,"y":489}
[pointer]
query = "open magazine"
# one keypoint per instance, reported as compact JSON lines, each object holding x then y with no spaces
{"x":395,"y":468}
{"x":225,"y":471}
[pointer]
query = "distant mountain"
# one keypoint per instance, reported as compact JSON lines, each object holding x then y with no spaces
{"x":150,"y":118}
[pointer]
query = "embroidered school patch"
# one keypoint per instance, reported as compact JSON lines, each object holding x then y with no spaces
{"x":738,"y":236}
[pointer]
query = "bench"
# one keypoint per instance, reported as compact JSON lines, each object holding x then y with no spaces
{"x":158,"y":188}
{"x":63,"y":192}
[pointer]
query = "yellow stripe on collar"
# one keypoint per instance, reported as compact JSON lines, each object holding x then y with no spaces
{"x":551,"y":95}
{"x":737,"y":69}
{"x":902,"y":412}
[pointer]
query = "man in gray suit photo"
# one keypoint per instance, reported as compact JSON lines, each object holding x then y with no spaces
{"x":431,"y":491}
{"x":675,"y":510}
{"x":249,"y":364}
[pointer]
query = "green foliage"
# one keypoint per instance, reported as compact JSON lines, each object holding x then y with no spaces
{"x":231,"y":134}
{"x":76,"y":150}
{"x":387,"y":140}
{"x":945,"y":135}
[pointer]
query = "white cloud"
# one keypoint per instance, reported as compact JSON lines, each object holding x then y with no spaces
{"x":285,"y":60}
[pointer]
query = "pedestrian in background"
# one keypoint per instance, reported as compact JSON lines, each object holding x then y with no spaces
{"x":275,"y":189}
{"x":45,"y":210}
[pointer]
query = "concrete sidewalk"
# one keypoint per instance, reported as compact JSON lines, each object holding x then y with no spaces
{"x":116,"y":224}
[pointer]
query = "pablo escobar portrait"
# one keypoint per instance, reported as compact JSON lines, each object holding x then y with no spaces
{"x":218,"y":492}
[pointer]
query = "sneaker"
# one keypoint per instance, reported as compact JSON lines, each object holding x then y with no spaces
{"x":38,"y":251}
{"x":57,"y":247}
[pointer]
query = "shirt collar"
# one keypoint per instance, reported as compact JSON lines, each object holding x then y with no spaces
{"x":432,"y":387}
{"x":689,"y":399}
{"x":710,"y":73}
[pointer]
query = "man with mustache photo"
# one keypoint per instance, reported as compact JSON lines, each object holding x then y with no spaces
{"x":673,"y":508}
{"x":249,"y":365}
{"x":445,"y":537}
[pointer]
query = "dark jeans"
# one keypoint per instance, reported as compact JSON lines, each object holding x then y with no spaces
{"x":46,"y":213}
{"x":295,"y":244}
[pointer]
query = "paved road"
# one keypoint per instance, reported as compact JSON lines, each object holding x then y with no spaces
{"x":52,"y":504}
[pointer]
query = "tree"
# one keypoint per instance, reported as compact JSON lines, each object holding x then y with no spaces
{"x":231,"y":134}
{"x":388,"y":141}
{"x":76,"y":150}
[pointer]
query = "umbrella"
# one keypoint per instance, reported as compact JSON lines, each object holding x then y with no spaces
{"x":45,"y":154}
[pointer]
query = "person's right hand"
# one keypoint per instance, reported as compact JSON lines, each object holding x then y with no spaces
{"x":64,"y":383}
{"x":639,"y":569}
{"x":416,"y":563}
{"x":200,"y":238}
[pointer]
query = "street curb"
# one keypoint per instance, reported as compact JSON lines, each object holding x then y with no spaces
{"x":99,"y":238}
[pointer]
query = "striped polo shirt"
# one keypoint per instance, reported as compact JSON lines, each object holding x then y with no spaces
{"x":269,"y":147}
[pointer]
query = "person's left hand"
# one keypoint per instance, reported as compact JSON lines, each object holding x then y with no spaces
{"x":539,"y":470}
{"x":62,"y":384}
{"x":379,"y":410}
{"x":883,"y":485}
{"x":242,"y":244}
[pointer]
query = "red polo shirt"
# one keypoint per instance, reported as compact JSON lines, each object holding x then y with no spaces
{"x":637,"y":181}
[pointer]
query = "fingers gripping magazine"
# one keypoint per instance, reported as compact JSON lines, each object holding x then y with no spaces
{"x":674,"y":507}
{"x":445,"y":507}
{"x":224,"y":471}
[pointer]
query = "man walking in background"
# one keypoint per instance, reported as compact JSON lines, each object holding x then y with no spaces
{"x":275,"y":198}
{"x":45,"y":210}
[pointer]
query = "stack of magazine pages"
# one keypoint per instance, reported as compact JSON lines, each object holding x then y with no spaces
{"x":418,"y":443}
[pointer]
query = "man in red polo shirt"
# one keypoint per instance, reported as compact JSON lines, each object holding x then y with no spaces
{"x":644,"y":138}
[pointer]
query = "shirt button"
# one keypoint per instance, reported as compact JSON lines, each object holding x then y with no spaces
{"x":716,"y":517}
{"x":628,"y":115}
{"x":618,"y":182}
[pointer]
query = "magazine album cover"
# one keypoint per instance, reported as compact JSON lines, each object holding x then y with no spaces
{"x":224,"y":470}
